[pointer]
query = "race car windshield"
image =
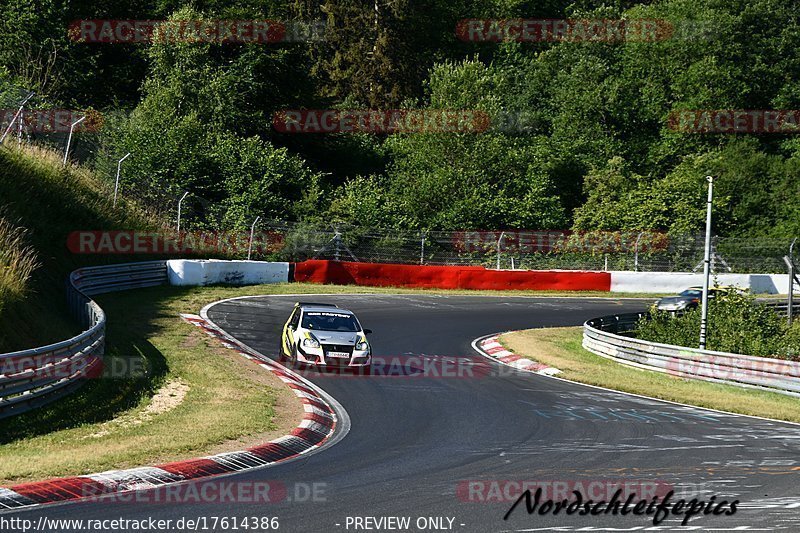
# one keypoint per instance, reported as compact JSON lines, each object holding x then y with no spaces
{"x":329,"y":321}
{"x":691,"y":293}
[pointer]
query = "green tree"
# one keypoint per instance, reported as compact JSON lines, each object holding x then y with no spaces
{"x":480,"y":180}
{"x":193,"y":131}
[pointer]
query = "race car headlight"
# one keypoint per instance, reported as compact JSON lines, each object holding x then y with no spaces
{"x":310,"y":343}
{"x":362,"y":346}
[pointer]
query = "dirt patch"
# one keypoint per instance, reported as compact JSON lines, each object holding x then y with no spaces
{"x":167,"y":398}
{"x":288,"y":408}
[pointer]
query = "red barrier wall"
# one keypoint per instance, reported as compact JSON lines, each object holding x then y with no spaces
{"x":448,"y":277}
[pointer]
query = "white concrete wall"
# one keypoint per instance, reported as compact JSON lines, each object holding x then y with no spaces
{"x":207,"y":272}
{"x":660,"y":282}
{"x":770,"y":283}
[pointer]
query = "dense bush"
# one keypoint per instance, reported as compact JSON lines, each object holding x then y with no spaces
{"x":737,"y":323}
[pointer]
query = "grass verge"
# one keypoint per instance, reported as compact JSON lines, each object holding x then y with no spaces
{"x":561,"y":348}
{"x":181,"y":394}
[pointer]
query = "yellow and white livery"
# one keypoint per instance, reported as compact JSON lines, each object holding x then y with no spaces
{"x":324,"y":335}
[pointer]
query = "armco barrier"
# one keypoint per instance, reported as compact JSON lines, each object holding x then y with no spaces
{"x":31,"y":378}
{"x":447,"y":277}
{"x":605,"y":337}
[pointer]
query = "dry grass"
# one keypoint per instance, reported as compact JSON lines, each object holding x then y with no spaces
{"x":561,"y":348}
{"x":17,"y":263}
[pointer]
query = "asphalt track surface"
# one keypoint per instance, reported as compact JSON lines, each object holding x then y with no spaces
{"x":436,"y":416}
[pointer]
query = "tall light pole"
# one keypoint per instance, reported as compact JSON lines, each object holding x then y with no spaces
{"x":69,"y":138}
{"x":116,"y":182}
{"x":706,"y":265}
{"x":789,"y":260}
{"x":790,"y":307}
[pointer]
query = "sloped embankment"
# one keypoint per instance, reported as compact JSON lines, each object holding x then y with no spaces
{"x":41,"y":202}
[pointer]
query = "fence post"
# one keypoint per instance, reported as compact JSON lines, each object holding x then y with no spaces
{"x":16,"y":115}
{"x":337,"y":243}
{"x":499,"y":240}
{"x":636,"y":252}
{"x":19,"y":126}
{"x":179,"y":211}
{"x":252,"y":230}
{"x":11,"y":124}
{"x":422,"y":249}
{"x":69,"y":137}
{"x":116,"y":182}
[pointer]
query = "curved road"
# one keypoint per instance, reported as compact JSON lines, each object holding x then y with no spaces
{"x":437,"y":417}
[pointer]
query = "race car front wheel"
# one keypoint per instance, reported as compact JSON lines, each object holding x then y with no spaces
{"x":281,"y":353}
{"x":293,"y":360}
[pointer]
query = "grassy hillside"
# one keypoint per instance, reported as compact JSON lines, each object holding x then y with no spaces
{"x":41,"y":202}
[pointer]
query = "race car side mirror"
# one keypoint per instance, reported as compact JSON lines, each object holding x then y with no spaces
{"x":367,"y":331}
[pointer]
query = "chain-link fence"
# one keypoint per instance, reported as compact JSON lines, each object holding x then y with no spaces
{"x":26,"y":117}
{"x":512,"y":249}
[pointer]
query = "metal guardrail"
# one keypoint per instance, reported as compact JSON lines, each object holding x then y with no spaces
{"x":782,"y":308}
{"x":609,"y":337}
{"x":32,"y":378}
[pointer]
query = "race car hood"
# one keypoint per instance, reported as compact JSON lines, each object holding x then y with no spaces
{"x":669,"y":300}
{"x":335,"y":337}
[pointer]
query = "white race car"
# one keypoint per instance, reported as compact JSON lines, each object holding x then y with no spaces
{"x":324,"y":335}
